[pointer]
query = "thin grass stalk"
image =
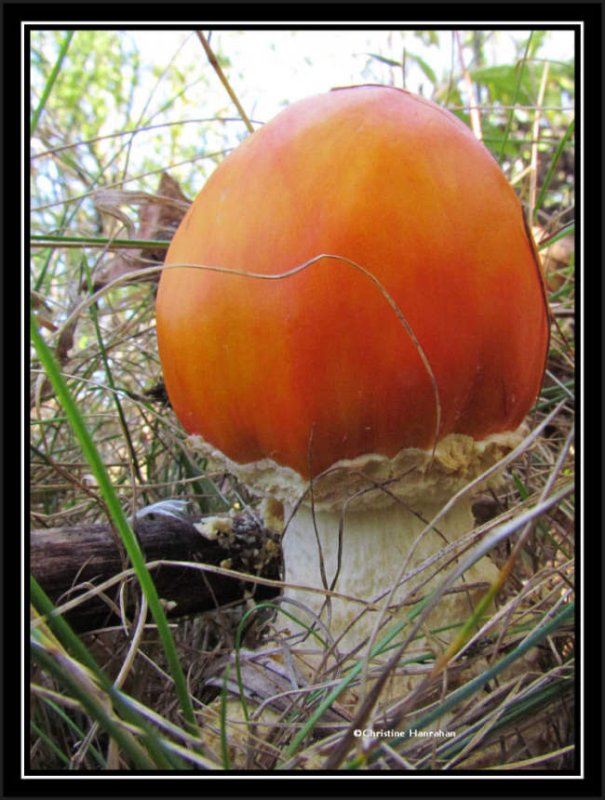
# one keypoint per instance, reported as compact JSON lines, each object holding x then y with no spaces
{"x":110,"y":380}
{"x":551,"y":170}
{"x":48,"y":240}
{"x":119,"y":681}
{"x":353,"y":673}
{"x":55,"y":749}
{"x":126,"y":533}
{"x":520,"y":708}
{"x":224,"y":697}
{"x":535,"y":761}
{"x":50,"y":82}
{"x":92,"y":706}
{"x":429,"y":603}
{"x":66,"y":637}
{"x":224,"y":80}
{"x":533,"y":175}
{"x":509,"y":121}
{"x":134,"y":132}
{"x":461,"y":694}
{"x":80,"y":734}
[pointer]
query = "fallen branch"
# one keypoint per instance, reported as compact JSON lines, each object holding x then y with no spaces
{"x":68,"y":562}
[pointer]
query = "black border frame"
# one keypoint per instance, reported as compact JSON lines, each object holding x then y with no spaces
{"x":217,"y":15}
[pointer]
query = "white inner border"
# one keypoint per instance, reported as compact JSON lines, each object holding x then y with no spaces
{"x":487,"y":775}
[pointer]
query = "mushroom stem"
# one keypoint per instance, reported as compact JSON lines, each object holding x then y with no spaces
{"x":376,"y":550}
{"x":374,"y":542}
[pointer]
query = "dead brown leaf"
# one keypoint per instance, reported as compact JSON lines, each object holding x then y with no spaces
{"x":159,"y":217}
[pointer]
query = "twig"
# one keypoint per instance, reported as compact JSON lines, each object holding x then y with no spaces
{"x":223,"y":78}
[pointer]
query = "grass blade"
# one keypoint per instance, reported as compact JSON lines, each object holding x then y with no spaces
{"x":119,"y":519}
{"x":50,"y":82}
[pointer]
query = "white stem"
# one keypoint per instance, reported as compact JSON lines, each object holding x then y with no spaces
{"x":382,"y":546}
{"x":379,"y":549}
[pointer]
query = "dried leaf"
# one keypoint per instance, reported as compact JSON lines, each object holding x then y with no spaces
{"x":159,"y":217}
{"x":43,"y":311}
{"x":269,"y":678}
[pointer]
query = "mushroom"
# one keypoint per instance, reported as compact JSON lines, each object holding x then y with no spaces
{"x":365,"y":336}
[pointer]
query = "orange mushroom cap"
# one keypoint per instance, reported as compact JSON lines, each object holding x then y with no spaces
{"x":317,"y":367}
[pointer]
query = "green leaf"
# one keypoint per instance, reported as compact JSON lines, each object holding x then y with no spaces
{"x":505,"y":82}
{"x":423,"y":66}
{"x":384,"y":60}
